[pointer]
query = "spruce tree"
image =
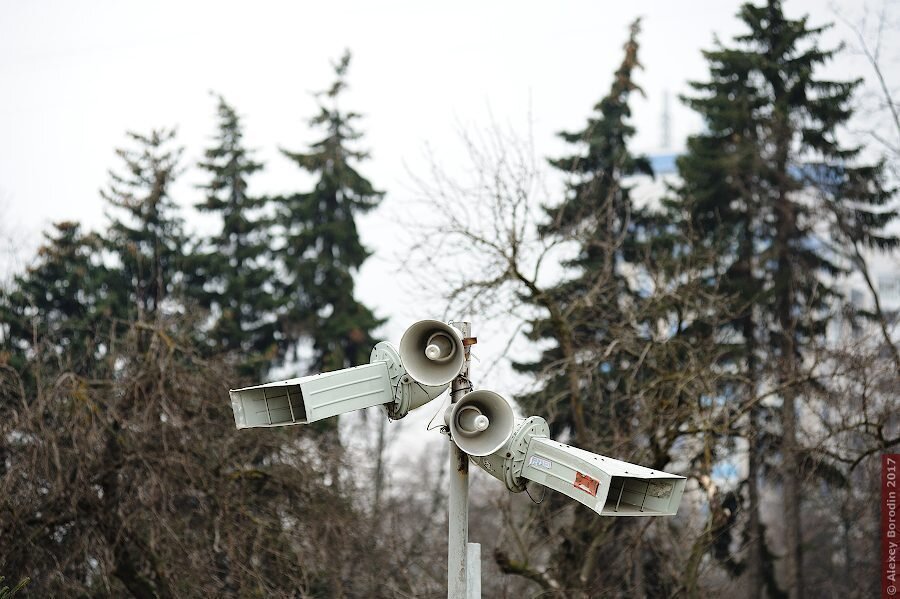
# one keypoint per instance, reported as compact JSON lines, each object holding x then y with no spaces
{"x":771,"y":135}
{"x":147,"y":240}
{"x":719,"y":182}
{"x":230,"y":274}
{"x":596,"y":212}
{"x":322,"y":247}
{"x":60,"y":310}
{"x":592,"y":378}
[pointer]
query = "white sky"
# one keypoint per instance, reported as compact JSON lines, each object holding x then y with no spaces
{"x":76,"y":76}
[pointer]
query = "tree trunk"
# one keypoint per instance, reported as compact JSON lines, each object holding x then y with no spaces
{"x":754,"y":540}
{"x":785,"y":278}
{"x":125,"y":551}
{"x":640,"y":586}
{"x":792,"y":496}
{"x":754,"y":530}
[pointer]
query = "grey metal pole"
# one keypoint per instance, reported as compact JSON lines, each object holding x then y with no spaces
{"x":458,"y":505}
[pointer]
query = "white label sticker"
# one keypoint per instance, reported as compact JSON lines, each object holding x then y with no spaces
{"x":539,"y":461}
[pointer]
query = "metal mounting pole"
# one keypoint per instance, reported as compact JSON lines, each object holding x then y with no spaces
{"x":458,"y":505}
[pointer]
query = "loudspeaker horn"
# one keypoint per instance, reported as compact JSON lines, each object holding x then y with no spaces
{"x":432,"y":352}
{"x":481,"y":422}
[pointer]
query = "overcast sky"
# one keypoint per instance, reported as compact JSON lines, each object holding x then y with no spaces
{"x":77,"y":75}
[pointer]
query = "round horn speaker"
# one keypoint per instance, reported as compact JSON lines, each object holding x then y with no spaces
{"x":481,"y":422}
{"x":432,"y":352}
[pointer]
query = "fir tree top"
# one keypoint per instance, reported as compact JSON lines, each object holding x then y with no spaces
{"x":149,"y":239}
{"x":230,"y":164}
{"x":323,"y":248}
{"x":231,"y":274}
{"x":596,"y":173}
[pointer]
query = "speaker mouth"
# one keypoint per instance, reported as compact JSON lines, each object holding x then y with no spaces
{"x":470,"y":421}
{"x":440,"y":348}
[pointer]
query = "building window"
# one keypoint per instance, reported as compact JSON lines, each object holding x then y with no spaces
{"x":889,"y":288}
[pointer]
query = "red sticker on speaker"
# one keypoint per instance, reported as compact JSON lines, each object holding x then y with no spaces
{"x":586,"y":483}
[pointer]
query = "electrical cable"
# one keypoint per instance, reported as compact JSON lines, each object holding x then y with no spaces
{"x":440,"y":410}
{"x":543,"y":494}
